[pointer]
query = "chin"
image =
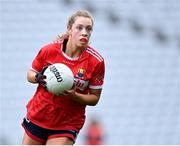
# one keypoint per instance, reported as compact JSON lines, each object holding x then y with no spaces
{"x":82,"y":45}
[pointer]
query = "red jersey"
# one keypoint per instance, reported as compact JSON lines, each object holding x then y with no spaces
{"x":62,"y":113}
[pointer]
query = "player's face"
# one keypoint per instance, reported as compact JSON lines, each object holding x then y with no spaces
{"x":80,"y":31}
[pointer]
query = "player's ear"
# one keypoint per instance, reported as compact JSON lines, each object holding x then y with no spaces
{"x":69,"y":30}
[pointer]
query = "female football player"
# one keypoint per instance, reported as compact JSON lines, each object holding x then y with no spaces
{"x":53,"y":119}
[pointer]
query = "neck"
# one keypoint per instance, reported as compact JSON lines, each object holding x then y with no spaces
{"x":72,"y":50}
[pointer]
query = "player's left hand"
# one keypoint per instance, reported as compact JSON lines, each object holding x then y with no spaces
{"x":69,"y":93}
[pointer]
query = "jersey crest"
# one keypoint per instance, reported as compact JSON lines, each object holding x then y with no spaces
{"x":81,"y":73}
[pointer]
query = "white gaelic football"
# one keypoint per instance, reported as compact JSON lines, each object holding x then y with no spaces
{"x":59,"y":77}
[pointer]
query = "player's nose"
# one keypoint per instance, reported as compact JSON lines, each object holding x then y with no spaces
{"x":84,"y":32}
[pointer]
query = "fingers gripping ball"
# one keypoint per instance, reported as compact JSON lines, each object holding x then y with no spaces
{"x":39,"y":77}
{"x":59,"y":77}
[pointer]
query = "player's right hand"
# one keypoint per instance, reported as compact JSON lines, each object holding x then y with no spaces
{"x":39,"y":77}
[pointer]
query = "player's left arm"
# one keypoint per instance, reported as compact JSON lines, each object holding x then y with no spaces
{"x":95,"y":88}
{"x":87,"y":99}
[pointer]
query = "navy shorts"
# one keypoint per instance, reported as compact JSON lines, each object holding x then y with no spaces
{"x":41,"y":134}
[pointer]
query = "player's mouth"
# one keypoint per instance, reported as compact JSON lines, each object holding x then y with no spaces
{"x":84,"y":40}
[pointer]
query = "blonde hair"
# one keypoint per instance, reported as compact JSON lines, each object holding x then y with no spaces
{"x":80,"y":13}
{"x":71,"y":20}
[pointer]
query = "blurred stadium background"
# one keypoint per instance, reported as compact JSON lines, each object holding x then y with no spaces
{"x":140,"y":41}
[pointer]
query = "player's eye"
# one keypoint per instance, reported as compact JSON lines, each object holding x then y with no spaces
{"x":89,"y":29}
{"x":79,"y":28}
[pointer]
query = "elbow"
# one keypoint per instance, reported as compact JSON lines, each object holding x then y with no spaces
{"x":93,"y":103}
{"x":29,"y":80}
{"x":28,"y":77}
{"x":31,"y":76}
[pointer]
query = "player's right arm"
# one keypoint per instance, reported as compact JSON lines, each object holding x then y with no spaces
{"x":37,"y":77}
{"x":35,"y":73}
